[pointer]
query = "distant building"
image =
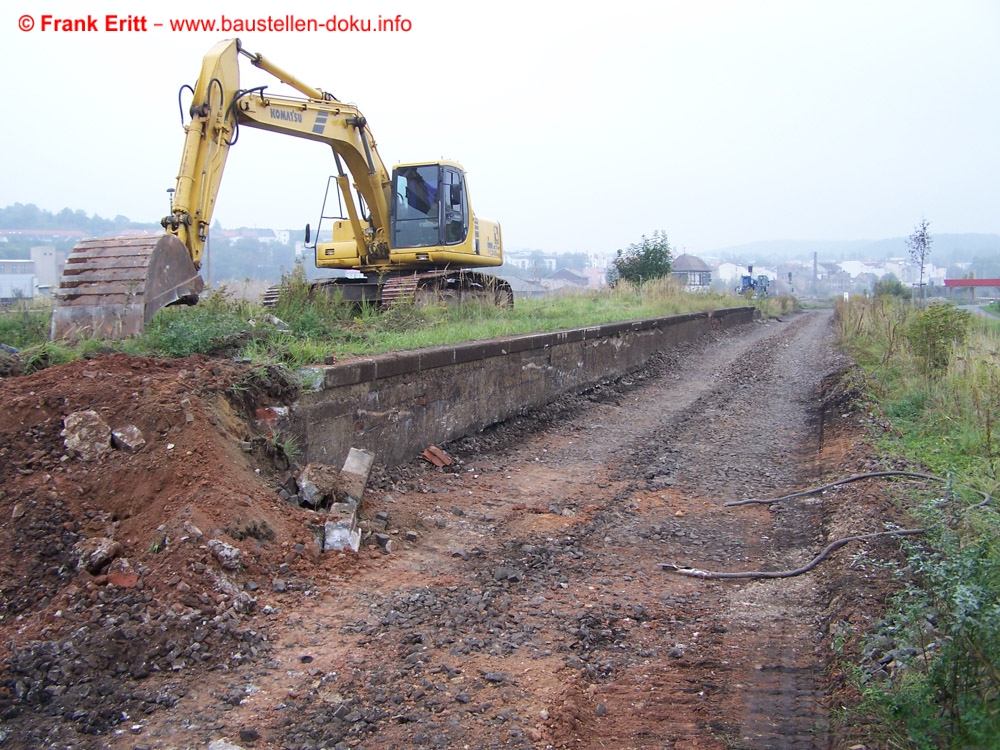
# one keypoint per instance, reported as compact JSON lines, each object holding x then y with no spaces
{"x":596,"y":276}
{"x":22,"y":279}
{"x":569,"y":277}
{"x":859,"y":267}
{"x":693,"y":272}
{"x":17,"y":281}
{"x":49,"y":264}
{"x":44,"y":235}
{"x":532,"y":262}
{"x":263,"y":236}
{"x":729,"y":272}
{"x":525,"y":288}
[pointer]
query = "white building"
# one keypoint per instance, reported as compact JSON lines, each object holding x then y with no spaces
{"x":17,"y":280}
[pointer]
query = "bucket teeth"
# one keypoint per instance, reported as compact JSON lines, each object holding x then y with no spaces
{"x":111,"y":287}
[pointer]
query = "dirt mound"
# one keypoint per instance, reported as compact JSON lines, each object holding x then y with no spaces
{"x":166,"y":600}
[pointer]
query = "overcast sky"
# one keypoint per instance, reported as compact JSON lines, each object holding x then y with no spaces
{"x":581,"y":128}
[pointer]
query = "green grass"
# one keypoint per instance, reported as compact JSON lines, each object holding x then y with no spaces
{"x":307,"y":329}
{"x":24,"y":325}
{"x":944,"y":420}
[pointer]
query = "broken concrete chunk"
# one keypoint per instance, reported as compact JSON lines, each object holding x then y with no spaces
{"x":319,"y":485}
{"x":507,"y":574}
{"x":85,"y":435}
{"x":128,"y":438}
{"x":230,"y":557}
{"x":354,"y":475}
{"x":96,"y":552}
{"x":341,"y":531}
{"x":122,"y":574}
{"x":223,"y":745}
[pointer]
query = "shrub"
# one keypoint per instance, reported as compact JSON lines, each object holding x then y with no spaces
{"x":642,"y":261}
{"x":890,"y":286}
{"x":24,"y":327}
{"x":934,"y":332}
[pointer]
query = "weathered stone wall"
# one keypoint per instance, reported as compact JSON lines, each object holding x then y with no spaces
{"x":395,"y":405}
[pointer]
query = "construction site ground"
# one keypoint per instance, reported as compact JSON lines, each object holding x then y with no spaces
{"x":515,"y":599}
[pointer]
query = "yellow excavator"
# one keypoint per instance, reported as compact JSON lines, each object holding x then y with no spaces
{"x":408,"y":235}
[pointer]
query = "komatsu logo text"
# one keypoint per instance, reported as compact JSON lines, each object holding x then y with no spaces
{"x":282,"y":114}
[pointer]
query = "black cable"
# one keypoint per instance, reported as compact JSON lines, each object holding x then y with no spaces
{"x":858,"y":477}
{"x":180,"y":106}
{"x":222,"y":92}
{"x":231,"y":112}
{"x":833,"y":547}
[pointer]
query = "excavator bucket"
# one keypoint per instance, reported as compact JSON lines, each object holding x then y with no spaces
{"x":111,"y":287}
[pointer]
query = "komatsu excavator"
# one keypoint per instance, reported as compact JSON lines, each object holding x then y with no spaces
{"x":408,"y":235}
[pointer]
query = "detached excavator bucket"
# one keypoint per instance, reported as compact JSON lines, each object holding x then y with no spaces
{"x":111,"y":287}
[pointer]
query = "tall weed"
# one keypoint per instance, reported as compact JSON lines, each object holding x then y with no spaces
{"x":935,"y":374}
{"x":24,"y":325}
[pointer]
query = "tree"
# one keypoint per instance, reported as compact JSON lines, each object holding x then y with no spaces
{"x":890,"y":286}
{"x":642,"y":261}
{"x":920,"y":247}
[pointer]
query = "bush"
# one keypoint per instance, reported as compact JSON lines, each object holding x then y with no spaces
{"x":890,"y":286}
{"x":213,"y":324}
{"x":24,"y":327}
{"x":934,"y":332}
{"x":310,"y":313}
{"x":642,"y":261}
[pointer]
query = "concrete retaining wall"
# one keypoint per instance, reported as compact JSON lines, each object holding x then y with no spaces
{"x":395,"y":405}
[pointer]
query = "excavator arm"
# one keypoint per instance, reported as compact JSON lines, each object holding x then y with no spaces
{"x":220,"y":107}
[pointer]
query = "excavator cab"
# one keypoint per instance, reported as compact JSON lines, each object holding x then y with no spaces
{"x":428,"y":208}
{"x":430,"y":223}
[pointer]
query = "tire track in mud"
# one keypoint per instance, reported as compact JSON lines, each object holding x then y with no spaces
{"x":758,"y":435}
{"x":740,"y":417}
{"x":745,"y":421}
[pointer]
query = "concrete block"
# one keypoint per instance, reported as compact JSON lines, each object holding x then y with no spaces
{"x":311,"y":378}
{"x":128,"y":438}
{"x":341,"y":531}
{"x":354,"y":475}
{"x":317,"y":484}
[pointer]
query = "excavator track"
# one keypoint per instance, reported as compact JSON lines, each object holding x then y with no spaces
{"x":112,"y":286}
{"x":419,"y":287}
{"x":447,"y":287}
